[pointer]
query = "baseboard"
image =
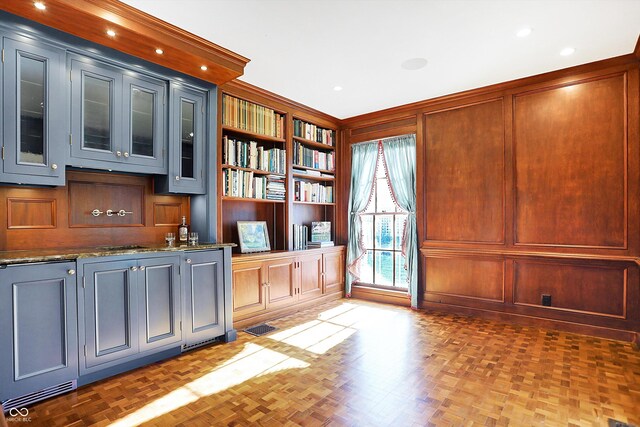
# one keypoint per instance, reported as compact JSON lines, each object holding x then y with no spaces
{"x":381,"y":295}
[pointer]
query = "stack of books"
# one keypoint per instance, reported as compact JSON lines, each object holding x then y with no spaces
{"x":275,"y":189}
{"x":320,"y":235}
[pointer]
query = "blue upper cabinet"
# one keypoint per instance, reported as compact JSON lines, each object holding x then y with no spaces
{"x":187,"y":139}
{"x":34,"y":120}
{"x":117,"y":119}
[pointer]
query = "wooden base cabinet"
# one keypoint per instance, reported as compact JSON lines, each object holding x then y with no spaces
{"x":270,"y":284}
{"x":39,"y":329}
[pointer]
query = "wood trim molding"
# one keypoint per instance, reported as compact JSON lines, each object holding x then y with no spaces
{"x":138,"y":34}
{"x":380,"y":295}
{"x":636,"y":51}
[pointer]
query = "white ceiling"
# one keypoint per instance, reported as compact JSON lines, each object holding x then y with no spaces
{"x":302,"y":49}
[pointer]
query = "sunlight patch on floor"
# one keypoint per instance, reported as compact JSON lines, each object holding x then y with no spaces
{"x":253,"y":361}
{"x":332,"y":327}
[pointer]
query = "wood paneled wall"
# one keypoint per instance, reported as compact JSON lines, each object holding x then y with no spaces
{"x":60,"y":217}
{"x":527,"y":188}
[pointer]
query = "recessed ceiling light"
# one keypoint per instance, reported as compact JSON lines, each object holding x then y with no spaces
{"x":337,"y":88}
{"x":39,"y":5}
{"x":414,"y":64}
{"x":111,"y":33}
{"x":524,"y":32}
{"x":203,"y":67}
{"x":567,"y":51}
{"x":159,"y":51}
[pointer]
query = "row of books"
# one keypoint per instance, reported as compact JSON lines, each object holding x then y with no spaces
{"x":246,"y":115}
{"x":303,"y":156}
{"x":312,"y":192}
{"x":300,"y":239}
{"x":239,"y":183}
{"x":314,"y":133}
{"x":248,"y":154}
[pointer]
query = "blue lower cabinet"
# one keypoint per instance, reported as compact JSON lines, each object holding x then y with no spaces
{"x":129,"y":308}
{"x":203,"y":282}
{"x":38,"y":338}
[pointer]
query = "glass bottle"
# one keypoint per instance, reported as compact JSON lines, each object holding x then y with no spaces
{"x":183,"y":231}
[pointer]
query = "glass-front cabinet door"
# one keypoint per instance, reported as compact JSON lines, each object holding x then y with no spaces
{"x":96,"y":112}
{"x":187,"y":140}
{"x":34,"y":115}
{"x":144,"y":133}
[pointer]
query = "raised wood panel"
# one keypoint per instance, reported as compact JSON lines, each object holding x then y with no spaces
{"x":310,"y":269}
{"x":281,"y":282}
{"x":31,"y":213}
{"x":167,"y":214}
{"x":333,"y":268}
{"x":464,"y":174}
{"x":64,"y":236}
{"x":84,"y":197}
{"x":248,"y":290}
{"x":473,"y":278}
{"x":587,"y":288}
{"x":570,"y":150}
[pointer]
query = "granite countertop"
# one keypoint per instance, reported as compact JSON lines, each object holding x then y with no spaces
{"x":46,"y":255}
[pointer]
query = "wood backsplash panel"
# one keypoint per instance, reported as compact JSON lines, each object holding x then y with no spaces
{"x":167,"y":214}
{"x":31,"y":213}
{"x":61,"y":210}
{"x":85,"y":197}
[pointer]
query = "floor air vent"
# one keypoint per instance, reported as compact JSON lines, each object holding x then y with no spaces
{"x":199,"y":344}
{"x":260,"y":329}
{"x":616,"y":423}
{"x":45,"y":393}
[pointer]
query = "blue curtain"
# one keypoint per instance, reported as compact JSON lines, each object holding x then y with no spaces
{"x":400,"y":161}
{"x":363,"y":169}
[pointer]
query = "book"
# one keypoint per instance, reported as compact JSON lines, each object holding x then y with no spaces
{"x":321,"y":231}
{"x":311,"y":245}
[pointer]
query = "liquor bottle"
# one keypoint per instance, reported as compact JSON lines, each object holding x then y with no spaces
{"x":183,"y":231}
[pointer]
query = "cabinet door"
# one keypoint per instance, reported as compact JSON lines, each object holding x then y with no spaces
{"x":333,"y":269}
{"x":34,"y":113}
{"x":248,"y":289}
{"x":159,"y":302}
{"x":144,"y":123}
{"x":38,"y":340}
{"x":310,"y":279}
{"x":96,"y":113}
{"x":204,"y":296}
{"x":187,"y":140}
{"x":281,"y":282}
{"x":111,"y":311}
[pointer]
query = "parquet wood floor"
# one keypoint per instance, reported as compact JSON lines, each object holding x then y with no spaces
{"x":362,"y":364}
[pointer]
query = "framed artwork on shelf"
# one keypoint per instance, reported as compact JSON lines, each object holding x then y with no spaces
{"x":254,"y":236}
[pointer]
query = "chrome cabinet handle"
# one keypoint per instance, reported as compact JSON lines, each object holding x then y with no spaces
{"x":177,"y":178}
{"x":122,"y":212}
{"x":126,"y":154}
{"x":134,"y":268}
{"x":118,"y":153}
{"x":189,"y":261}
{"x":71,"y":272}
{"x":54,"y":166}
{"x":142,"y":268}
{"x":96,"y":212}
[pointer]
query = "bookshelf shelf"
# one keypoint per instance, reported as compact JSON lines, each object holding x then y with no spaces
{"x":314,"y":144}
{"x":255,"y":171}
{"x":247,"y":134}
{"x":313,"y":169}
{"x":314,"y":203}
{"x":251,"y":199}
{"x":313,"y":177}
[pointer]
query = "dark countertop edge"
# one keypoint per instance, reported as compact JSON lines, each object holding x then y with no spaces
{"x":51,"y":255}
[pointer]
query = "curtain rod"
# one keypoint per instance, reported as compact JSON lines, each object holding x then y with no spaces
{"x":373,"y":141}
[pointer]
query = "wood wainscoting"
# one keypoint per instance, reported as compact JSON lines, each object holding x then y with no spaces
{"x":60,"y":217}
{"x":529,"y":188}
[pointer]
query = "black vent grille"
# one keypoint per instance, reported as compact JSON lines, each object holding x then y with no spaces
{"x":260,"y":329}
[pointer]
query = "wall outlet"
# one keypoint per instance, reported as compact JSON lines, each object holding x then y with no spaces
{"x":546,"y":300}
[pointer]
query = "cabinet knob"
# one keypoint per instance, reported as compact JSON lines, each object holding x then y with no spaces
{"x":177,"y":178}
{"x":118,"y":153}
{"x":134,"y":268}
{"x":126,"y":154}
{"x":54,"y":166}
{"x":142,"y":268}
{"x":188,"y":260}
{"x":71,"y":272}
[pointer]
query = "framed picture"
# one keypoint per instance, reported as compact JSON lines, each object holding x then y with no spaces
{"x":254,"y":236}
{"x":321,"y":231}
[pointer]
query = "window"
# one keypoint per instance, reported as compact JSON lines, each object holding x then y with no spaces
{"x":383,"y":224}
